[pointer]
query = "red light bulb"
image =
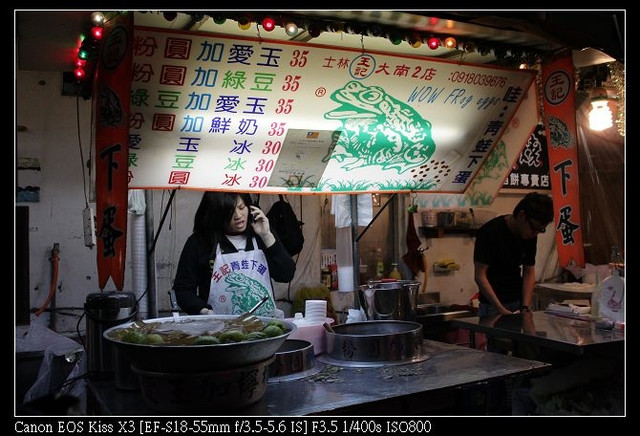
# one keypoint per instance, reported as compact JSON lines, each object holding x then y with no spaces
{"x":79,"y":73}
{"x":268,"y":24}
{"x":433,"y":43}
{"x":96,"y":32}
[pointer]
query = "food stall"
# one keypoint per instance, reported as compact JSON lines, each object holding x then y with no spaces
{"x":271,"y":117}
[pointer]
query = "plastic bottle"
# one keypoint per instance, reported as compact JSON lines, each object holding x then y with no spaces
{"x":395,"y":274}
{"x":612,"y":292}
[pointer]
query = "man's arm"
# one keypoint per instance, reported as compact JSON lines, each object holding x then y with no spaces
{"x":528,"y":283}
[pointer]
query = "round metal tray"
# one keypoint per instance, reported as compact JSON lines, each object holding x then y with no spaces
{"x":328,"y":360}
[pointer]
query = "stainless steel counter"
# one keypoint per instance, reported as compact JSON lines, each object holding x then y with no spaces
{"x":551,"y":331}
{"x":442,"y":380}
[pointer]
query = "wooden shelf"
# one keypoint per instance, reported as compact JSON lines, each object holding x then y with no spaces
{"x":439,"y":232}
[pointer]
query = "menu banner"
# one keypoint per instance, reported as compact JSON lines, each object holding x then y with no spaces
{"x":248,"y":114}
{"x":491,"y":178}
{"x":558,"y":79}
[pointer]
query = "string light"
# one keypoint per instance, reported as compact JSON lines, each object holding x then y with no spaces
{"x":433,"y":43}
{"x":616,"y":75}
{"x":268,"y":24}
{"x":244,"y":23}
{"x":97,"y":18}
{"x":450,"y":42}
{"x":395,"y":39}
{"x":291,"y":28}
{"x":315,"y":26}
{"x":170,"y":16}
{"x":96,"y":32}
{"x":415,"y":40}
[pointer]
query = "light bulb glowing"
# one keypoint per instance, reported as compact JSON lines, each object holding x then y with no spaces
{"x":450,"y":42}
{"x":97,"y":18}
{"x":79,"y":73}
{"x":96,"y":32}
{"x":600,"y":117}
{"x":268,"y":24}
{"x":433,"y":43}
{"x":291,"y":29}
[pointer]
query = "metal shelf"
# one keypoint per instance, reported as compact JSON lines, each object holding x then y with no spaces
{"x":439,"y":232}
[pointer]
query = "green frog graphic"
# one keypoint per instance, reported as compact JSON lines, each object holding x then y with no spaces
{"x":379,"y":129}
{"x":246,"y":293}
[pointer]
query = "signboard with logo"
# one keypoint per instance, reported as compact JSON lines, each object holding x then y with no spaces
{"x":531,"y":170}
{"x":558,"y":78}
{"x":248,"y":114}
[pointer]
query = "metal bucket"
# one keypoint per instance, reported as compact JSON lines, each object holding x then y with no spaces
{"x":389,"y":299}
{"x":105,"y":310}
{"x":376,"y":341}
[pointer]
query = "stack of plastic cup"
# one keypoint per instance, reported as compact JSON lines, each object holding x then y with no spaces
{"x":315,"y":311}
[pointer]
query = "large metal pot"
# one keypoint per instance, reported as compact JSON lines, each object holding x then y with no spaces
{"x":198,"y":358}
{"x":389,"y":299}
{"x":376,"y":341}
{"x":204,"y":392}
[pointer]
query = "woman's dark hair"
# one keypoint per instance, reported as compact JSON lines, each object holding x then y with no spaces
{"x":214,"y":213}
{"x":536,"y":206}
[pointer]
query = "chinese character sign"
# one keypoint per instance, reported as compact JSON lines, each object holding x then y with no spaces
{"x":489,"y":180}
{"x":531,"y":169}
{"x":211,"y":112}
{"x":560,"y":119}
{"x":112,"y":139}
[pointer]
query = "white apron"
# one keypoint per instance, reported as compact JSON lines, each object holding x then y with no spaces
{"x":239,"y":281}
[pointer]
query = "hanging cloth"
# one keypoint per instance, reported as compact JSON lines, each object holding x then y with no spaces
{"x":413,"y":257}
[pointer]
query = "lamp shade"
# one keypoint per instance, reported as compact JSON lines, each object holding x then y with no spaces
{"x":600,"y":116}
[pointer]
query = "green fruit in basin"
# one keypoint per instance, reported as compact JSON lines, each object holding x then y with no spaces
{"x":152,"y":339}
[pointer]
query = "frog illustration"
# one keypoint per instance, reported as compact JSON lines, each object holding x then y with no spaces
{"x":560,"y":134}
{"x":379,"y":130}
{"x":246,"y":293}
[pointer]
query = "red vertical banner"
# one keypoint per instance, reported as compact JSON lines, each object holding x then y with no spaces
{"x":113,"y":89}
{"x":558,"y":81}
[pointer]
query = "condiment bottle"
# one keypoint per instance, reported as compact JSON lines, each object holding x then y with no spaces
{"x":395,"y":274}
{"x":379,"y":264}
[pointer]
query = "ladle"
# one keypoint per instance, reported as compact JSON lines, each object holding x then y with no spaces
{"x":250,"y":312}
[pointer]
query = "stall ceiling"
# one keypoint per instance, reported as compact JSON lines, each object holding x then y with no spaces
{"x":46,"y":39}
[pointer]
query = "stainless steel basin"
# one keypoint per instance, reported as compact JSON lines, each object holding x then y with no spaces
{"x":440,"y":312}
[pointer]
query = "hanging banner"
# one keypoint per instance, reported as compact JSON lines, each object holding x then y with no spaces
{"x":487,"y":183}
{"x":558,"y":81}
{"x":233,"y":113}
{"x":113,"y":88}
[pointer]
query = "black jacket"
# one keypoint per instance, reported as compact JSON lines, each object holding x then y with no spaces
{"x":193,"y":277}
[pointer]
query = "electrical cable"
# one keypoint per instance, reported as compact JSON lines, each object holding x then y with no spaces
{"x":82,"y":162}
{"x":54,"y":279}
